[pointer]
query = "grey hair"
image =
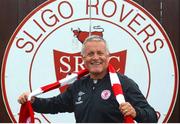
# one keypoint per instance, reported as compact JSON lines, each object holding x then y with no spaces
{"x":94,"y":38}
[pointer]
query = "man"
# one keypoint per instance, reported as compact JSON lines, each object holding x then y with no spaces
{"x":85,"y":96}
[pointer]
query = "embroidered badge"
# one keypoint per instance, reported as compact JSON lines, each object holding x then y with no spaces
{"x":105,"y":94}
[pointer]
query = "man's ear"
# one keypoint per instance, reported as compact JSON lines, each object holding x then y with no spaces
{"x":83,"y":57}
{"x":108,"y":55}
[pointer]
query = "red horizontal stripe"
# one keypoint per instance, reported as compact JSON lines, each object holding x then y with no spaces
{"x":50,"y":87}
{"x":82,"y":73}
{"x":117,"y":89}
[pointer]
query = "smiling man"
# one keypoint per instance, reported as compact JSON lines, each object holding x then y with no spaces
{"x":95,"y":56}
{"x":91,"y":98}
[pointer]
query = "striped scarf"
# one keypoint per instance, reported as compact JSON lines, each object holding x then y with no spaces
{"x":117,"y":90}
{"x":27,"y":113}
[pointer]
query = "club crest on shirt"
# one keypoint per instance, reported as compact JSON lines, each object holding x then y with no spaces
{"x":105,"y":94}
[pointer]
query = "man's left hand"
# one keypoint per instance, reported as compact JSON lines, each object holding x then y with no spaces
{"x":127,"y":109}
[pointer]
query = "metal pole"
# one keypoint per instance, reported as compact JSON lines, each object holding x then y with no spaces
{"x":90,"y":19}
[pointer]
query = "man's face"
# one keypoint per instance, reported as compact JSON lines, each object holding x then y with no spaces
{"x":96,"y":57}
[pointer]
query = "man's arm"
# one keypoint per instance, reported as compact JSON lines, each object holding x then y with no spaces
{"x":60,"y":103}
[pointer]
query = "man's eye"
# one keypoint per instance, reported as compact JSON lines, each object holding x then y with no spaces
{"x":90,"y":54}
{"x":100,"y":54}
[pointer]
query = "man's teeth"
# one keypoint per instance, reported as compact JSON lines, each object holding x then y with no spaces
{"x":97,"y":63}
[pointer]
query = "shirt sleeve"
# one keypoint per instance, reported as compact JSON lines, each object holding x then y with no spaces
{"x":60,"y":103}
{"x":144,"y":112}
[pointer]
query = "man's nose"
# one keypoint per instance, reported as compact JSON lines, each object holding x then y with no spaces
{"x":96,"y":56}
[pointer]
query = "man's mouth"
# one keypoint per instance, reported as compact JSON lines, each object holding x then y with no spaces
{"x":95,"y":63}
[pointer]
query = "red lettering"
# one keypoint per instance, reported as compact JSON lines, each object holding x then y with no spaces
{"x":29,"y":46}
{"x":39,"y":25}
{"x":88,"y":6}
{"x":122,"y":13}
{"x":52,"y":19}
{"x":32,"y":37}
{"x":155,"y":44}
{"x":134,"y":21}
{"x":148,"y":34}
{"x":113,"y":12}
{"x":71,"y":10}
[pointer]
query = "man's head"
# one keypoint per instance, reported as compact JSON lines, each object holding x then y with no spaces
{"x":95,"y":54}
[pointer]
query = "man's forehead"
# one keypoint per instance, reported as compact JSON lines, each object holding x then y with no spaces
{"x":95,"y":49}
{"x":94,"y":42}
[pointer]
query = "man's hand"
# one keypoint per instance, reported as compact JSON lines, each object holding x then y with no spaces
{"x":127,"y":109}
{"x":24,"y":98}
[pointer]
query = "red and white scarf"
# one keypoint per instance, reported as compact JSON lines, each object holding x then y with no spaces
{"x":27,"y":113}
{"x":117,"y":90}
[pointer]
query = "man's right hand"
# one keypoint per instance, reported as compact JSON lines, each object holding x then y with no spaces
{"x":24,"y":98}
